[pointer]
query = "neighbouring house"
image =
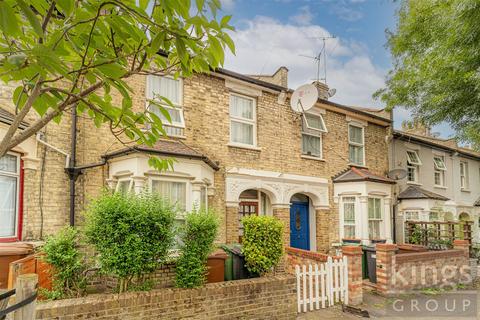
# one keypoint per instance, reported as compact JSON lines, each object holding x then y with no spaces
{"x":442,"y":183}
{"x":239,"y":150}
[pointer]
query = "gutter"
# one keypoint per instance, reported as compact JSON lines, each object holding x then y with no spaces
{"x":205,"y":159}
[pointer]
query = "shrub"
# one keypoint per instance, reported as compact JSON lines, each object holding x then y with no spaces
{"x":262,"y":243}
{"x":62,"y":253}
{"x":132,"y":234}
{"x":198,"y":234}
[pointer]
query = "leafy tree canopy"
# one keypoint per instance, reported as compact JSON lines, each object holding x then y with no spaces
{"x":436,"y":71}
{"x":69,"y":53}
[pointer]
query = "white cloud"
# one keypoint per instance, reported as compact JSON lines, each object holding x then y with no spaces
{"x":227,"y":5}
{"x":303,"y":17}
{"x":264,"y":44}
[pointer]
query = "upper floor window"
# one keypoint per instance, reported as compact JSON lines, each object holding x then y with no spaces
{"x":243,"y":120}
{"x":413,"y":164}
{"x":356,"y":145}
{"x":9,"y":189}
{"x":348,"y":217}
{"x":374,"y":217}
{"x":464,"y":175}
{"x":439,"y":170}
{"x":312,"y":128}
{"x":159,"y":87}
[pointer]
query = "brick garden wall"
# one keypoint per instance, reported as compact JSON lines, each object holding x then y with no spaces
{"x":418,"y":270}
{"x":300,"y":257}
{"x":261,"y":298}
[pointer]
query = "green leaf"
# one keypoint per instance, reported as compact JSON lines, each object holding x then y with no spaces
{"x":66,"y":5}
{"x":31,"y":17}
{"x":112,"y":70}
{"x":8,"y":19}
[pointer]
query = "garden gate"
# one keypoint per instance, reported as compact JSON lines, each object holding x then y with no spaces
{"x":322,"y":285}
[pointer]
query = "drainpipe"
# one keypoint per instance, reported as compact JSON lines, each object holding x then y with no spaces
{"x":72,"y":173}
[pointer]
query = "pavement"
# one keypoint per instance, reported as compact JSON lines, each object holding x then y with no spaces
{"x":400,"y":307}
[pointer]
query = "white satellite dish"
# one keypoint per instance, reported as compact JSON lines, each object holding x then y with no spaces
{"x":304,"y":98}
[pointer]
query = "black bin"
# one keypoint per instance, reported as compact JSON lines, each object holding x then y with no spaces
{"x":370,"y":254}
{"x":239,"y":270}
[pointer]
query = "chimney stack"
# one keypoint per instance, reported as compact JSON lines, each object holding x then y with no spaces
{"x":322,"y":89}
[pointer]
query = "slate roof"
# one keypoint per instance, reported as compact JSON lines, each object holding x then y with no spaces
{"x":360,"y":174}
{"x":477,"y":203}
{"x":7,"y":118}
{"x":173,"y":148}
{"x":415,"y":192}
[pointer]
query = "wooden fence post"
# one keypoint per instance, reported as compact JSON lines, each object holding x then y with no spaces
{"x":25,"y":287}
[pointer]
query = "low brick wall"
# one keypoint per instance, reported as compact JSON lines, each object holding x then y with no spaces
{"x":261,"y":298}
{"x":296,"y":256}
{"x":403,"y":272}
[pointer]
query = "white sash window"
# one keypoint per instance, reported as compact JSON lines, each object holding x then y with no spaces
{"x":9,"y":191}
{"x":243,"y":120}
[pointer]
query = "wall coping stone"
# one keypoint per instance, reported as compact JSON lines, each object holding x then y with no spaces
{"x":428,"y":255}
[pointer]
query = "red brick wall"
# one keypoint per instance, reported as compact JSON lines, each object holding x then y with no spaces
{"x":296,"y":256}
{"x":402,"y":272}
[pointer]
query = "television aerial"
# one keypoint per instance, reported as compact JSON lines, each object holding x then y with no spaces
{"x":397,"y":174}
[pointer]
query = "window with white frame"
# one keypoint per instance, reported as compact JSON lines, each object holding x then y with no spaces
{"x":243,"y":120}
{"x":348,"y":217}
{"x":9,"y":191}
{"x":439,"y":170}
{"x":312,"y":128}
{"x":464,"y":175}
{"x":159,"y":87}
{"x":411,"y":216}
{"x":356,"y":142}
{"x":173,"y":191}
{"x":374,"y":217}
{"x":413,"y":165}
{"x":124,"y":186}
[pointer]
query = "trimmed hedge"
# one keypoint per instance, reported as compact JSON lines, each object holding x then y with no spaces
{"x":262,"y":243}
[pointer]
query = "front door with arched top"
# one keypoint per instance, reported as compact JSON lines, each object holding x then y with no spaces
{"x":299,"y":226}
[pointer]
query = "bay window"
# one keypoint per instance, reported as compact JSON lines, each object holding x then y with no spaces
{"x":374,"y":217}
{"x":348,"y":217}
{"x":173,"y":191}
{"x":312,"y":128}
{"x":9,"y":200}
{"x":439,"y":170}
{"x":171,"y":89}
{"x":243,"y":126}
{"x":356,"y":139}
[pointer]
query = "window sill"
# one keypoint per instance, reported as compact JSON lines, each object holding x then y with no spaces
{"x":414,"y":183}
{"x":242,"y":146}
{"x":304,"y":156}
{"x":440,"y":187}
{"x":357,"y":165}
{"x":465,"y":190}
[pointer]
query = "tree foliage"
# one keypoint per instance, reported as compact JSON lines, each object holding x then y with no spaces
{"x":436,"y":72}
{"x":131,"y":233}
{"x":262,"y":243}
{"x":198,"y":235}
{"x":76,"y":54}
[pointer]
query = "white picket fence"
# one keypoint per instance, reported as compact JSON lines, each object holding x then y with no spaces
{"x":322,"y":285}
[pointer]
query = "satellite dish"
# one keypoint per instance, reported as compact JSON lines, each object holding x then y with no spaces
{"x":304,"y":98}
{"x":397,"y":174}
{"x":332,"y":92}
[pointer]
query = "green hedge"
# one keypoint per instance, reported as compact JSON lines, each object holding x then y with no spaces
{"x":132,"y":233}
{"x":198,"y":235}
{"x":262,"y":243}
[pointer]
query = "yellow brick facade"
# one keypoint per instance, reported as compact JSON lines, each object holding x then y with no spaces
{"x":206,"y":113}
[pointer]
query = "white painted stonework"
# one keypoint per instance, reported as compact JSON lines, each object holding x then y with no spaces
{"x":362,"y":190}
{"x":280,"y":187}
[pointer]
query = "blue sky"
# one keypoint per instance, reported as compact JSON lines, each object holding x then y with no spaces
{"x":272,"y":33}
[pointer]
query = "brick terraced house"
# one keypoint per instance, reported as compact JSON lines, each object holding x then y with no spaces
{"x":239,"y":150}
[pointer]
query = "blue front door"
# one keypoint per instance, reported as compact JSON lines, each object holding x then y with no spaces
{"x":299,"y":226}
